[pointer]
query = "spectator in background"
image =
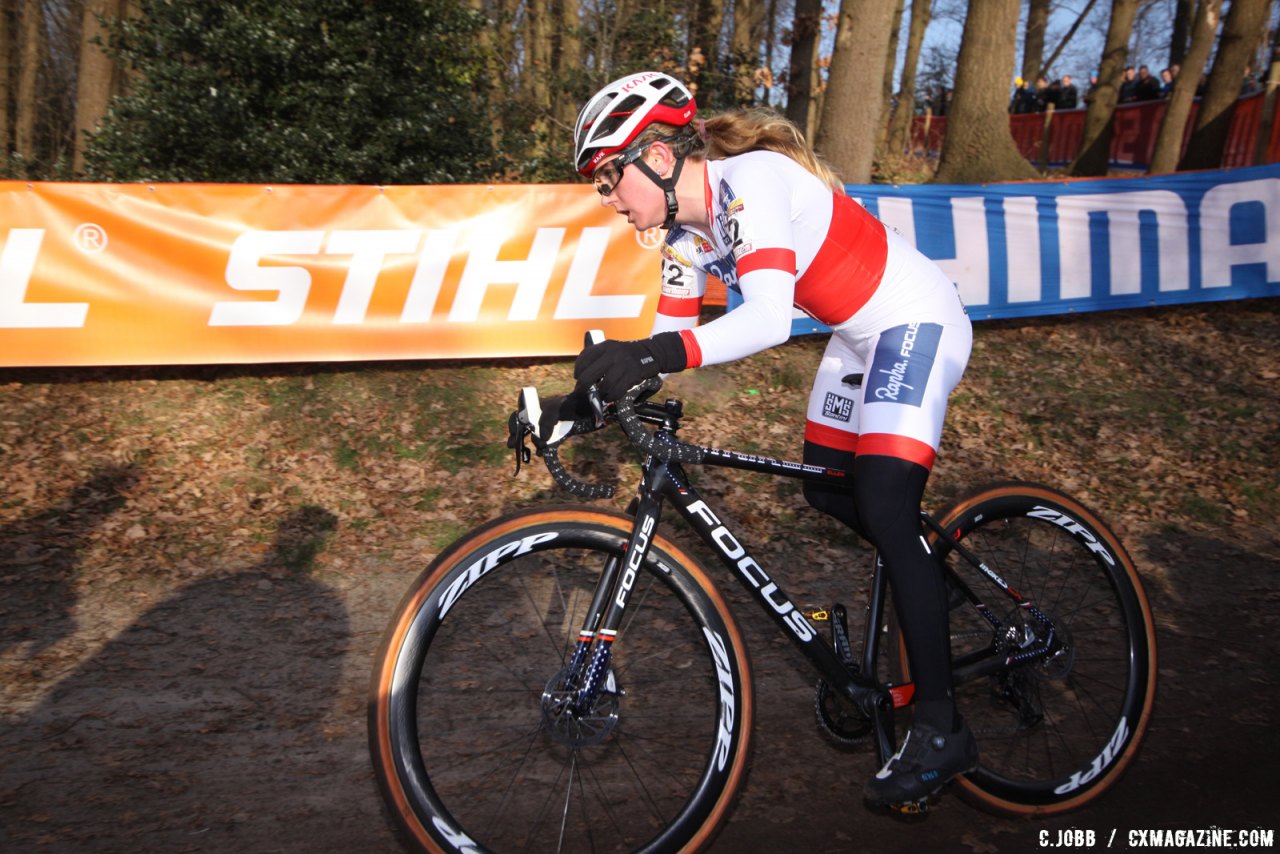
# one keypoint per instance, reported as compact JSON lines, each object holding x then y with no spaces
{"x":941,"y":101}
{"x":1147,"y":88}
{"x":1068,"y":97}
{"x":1053,"y":95}
{"x":1166,"y":82}
{"x":1128,"y":86}
{"x":1041,"y":95}
{"x":1249,"y":84}
{"x":1023,"y":98}
{"x":1093,"y":86}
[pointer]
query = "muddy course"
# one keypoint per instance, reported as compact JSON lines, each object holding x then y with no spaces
{"x":197,"y":565}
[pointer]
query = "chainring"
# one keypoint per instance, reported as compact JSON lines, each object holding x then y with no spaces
{"x":842,"y":721}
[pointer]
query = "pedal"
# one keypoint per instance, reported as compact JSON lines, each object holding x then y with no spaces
{"x":919,"y":807}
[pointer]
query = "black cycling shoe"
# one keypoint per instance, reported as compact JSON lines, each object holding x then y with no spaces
{"x":927,"y":759}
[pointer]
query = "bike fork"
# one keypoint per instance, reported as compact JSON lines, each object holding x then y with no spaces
{"x":594,"y":649}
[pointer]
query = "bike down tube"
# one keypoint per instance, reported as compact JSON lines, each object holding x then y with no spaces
{"x":771,"y":598}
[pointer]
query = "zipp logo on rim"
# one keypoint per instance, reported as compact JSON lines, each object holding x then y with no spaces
{"x":1109,"y":754}
{"x":460,"y":841}
{"x":724,"y":731}
{"x":485,"y":565}
{"x":1075,"y":529}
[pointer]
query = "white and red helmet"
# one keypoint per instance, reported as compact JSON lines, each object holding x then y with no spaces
{"x":620,"y":111}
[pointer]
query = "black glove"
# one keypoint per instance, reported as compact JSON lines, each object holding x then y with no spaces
{"x":615,"y":366}
{"x":555,"y":410}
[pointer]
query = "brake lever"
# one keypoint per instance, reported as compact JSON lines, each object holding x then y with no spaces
{"x":519,"y":431}
{"x":523,"y":456}
{"x":594,"y":336}
{"x":597,"y":406}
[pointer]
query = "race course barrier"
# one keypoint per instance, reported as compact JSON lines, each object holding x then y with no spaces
{"x":1053,"y":138}
{"x":1027,"y":249}
{"x":127,"y":274}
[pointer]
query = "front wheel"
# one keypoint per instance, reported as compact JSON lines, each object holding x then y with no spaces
{"x":475,"y":744}
{"x":1056,"y":730}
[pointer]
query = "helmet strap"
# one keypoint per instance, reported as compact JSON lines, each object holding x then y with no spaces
{"x":668,"y":186}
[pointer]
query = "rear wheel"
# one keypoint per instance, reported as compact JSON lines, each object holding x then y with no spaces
{"x":1054,"y":732}
{"x":476,"y":744}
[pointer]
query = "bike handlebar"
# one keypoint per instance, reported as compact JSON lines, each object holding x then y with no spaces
{"x":662,"y":446}
{"x":670,"y":450}
{"x":581,"y":488}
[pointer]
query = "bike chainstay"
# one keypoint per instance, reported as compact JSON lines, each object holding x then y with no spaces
{"x":1050,"y":642}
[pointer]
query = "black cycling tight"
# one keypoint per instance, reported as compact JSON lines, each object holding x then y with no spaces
{"x":884,"y":507}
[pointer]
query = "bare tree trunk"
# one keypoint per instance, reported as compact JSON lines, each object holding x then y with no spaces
{"x":30,"y":50}
{"x":851,"y":108}
{"x":1183,"y":13}
{"x":567,"y":58}
{"x":1033,"y":40}
{"x":1178,"y":107}
{"x":8,"y":10}
{"x":900,"y":133}
{"x":96,"y":81}
{"x":978,"y":146}
{"x":770,"y":45}
{"x":803,"y":78}
{"x":704,"y":37}
{"x":1245,"y":20}
{"x":1269,"y":102}
{"x":748,"y":22}
{"x":494,"y":70}
{"x":1095,"y":147}
{"x":537,"y":69}
{"x":537,"y":50}
{"x":887,"y":108}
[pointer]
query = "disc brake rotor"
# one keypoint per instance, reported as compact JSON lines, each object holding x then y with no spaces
{"x":573,"y":728}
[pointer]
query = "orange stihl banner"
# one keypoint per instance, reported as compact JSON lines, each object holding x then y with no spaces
{"x":135,"y":274}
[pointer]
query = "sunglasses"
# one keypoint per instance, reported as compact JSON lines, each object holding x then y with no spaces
{"x":607,"y":176}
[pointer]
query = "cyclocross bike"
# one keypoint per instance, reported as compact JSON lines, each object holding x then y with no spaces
{"x":569,"y":679}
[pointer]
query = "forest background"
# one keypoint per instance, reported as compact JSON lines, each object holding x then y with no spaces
{"x":444,"y":91}
{"x":197,"y":563}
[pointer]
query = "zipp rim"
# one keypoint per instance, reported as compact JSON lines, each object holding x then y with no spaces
{"x":421,"y":819}
{"x":995,"y":794}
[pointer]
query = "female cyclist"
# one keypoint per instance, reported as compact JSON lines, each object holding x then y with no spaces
{"x":745,"y":199}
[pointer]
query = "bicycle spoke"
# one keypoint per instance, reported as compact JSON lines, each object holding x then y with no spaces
{"x":512,"y":759}
{"x":1044,"y":726}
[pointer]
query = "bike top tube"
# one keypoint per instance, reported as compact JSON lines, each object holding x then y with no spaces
{"x":633,"y":411}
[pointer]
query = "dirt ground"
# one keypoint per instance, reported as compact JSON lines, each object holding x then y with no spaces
{"x":196,"y":567}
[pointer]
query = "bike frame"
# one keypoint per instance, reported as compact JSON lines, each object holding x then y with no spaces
{"x":664,"y":481}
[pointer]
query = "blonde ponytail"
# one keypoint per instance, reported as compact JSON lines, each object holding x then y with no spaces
{"x":756,"y":128}
{"x":739,"y":131}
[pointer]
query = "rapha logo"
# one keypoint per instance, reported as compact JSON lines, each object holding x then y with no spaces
{"x":902,"y":364}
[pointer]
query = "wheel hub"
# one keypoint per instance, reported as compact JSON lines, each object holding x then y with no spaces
{"x":576,"y":729}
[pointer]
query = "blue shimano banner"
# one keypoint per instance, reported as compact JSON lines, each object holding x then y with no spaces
{"x":1017,"y":250}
